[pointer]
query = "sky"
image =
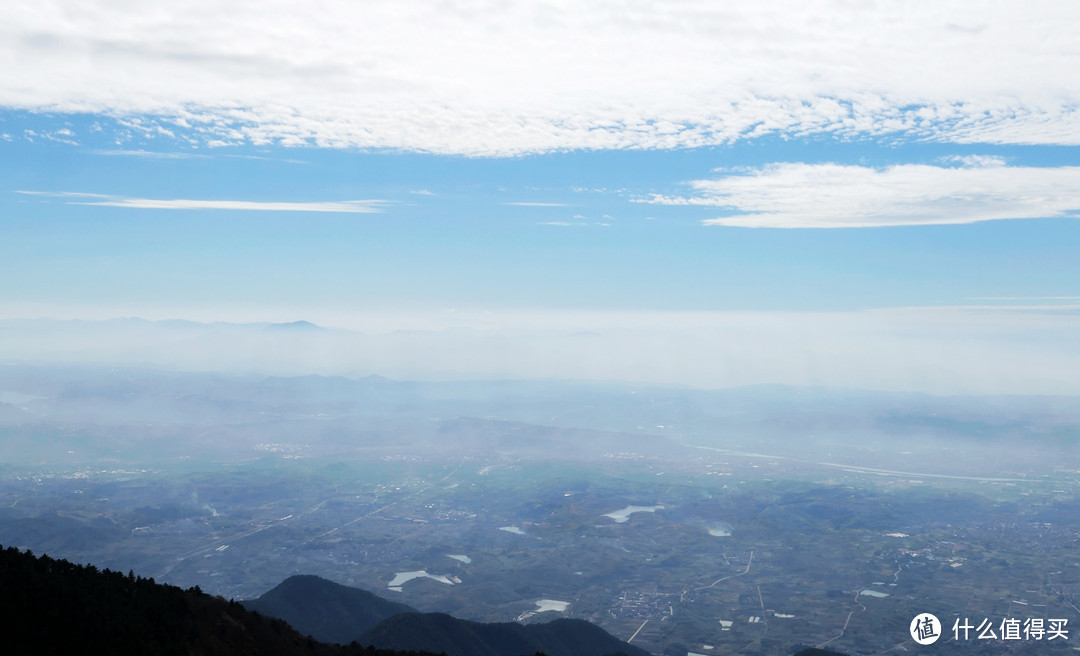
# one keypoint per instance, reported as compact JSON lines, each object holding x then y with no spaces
{"x":845,"y":193}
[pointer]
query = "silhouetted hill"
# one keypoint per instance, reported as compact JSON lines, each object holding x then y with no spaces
{"x":50,"y":606}
{"x":337,"y":613}
{"x":441,"y":632}
{"x":325,"y":610}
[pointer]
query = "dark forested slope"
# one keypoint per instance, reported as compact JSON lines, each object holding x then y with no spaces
{"x":50,"y":606}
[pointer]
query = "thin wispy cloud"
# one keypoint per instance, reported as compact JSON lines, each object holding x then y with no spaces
{"x":535,"y":204}
{"x":150,"y":154}
{"x":798,"y":195}
{"x":1023,"y":298}
{"x":481,"y":79}
{"x":1055,"y":304}
{"x":61,"y":194}
{"x":346,"y":206}
{"x":166,"y":155}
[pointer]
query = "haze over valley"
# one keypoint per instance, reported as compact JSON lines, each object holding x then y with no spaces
{"x":751,"y":519}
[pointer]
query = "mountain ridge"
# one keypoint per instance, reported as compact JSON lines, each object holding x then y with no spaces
{"x":337,"y":613}
{"x":327,"y":611}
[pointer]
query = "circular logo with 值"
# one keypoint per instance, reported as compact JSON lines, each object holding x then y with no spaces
{"x":925,"y":629}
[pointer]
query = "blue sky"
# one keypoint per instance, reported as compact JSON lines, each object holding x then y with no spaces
{"x":607,"y":165}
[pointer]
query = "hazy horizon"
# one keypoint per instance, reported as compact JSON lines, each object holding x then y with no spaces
{"x":876,"y":350}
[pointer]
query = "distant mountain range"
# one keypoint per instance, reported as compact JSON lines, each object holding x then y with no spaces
{"x":294,"y":326}
{"x":671,"y":354}
{"x":146,"y":415}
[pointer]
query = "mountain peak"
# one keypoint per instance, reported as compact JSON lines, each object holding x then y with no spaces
{"x":294,"y":326}
{"x":329,"y":611}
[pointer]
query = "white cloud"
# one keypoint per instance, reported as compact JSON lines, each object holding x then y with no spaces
{"x":975,"y":161}
{"x":64,"y":136}
{"x":797,"y":195}
{"x":484,"y":78}
{"x":345,"y":206}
